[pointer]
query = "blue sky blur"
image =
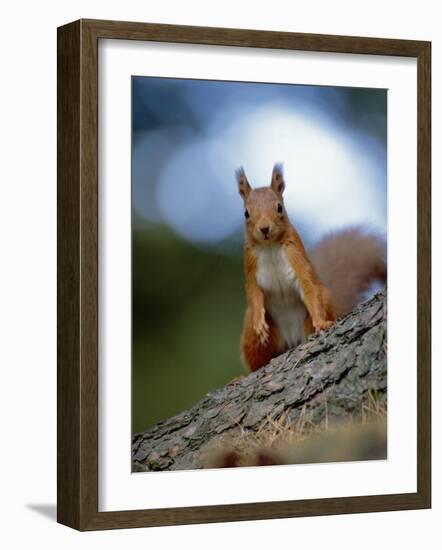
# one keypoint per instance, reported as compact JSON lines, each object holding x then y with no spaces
{"x":189,"y":136}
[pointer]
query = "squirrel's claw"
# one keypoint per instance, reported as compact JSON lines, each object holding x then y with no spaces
{"x":262,"y":330}
{"x":264,"y":338}
{"x":322,"y":325}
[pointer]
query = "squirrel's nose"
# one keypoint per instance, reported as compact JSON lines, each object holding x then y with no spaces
{"x":265,"y":230}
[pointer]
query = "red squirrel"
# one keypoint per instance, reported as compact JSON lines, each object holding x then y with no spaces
{"x":291,"y":294}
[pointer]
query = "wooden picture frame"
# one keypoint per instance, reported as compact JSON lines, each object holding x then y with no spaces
{"x":77,"y":461}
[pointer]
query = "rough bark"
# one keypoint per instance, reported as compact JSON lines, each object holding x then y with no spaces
{"x":330,"y":374}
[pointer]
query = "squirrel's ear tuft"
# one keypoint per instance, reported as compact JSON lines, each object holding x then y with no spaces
{"x":243,"y":184}
{"x":277,"y":183}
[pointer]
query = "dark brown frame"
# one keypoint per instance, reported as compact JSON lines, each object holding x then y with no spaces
{"x":77,"y":224}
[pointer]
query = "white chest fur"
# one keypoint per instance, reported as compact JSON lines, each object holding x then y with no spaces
{"x":283,"y":296}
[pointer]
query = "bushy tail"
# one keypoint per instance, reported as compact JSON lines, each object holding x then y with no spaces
{"x":348,"y":262}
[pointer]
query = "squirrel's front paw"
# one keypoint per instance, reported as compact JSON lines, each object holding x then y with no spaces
{"x":262,"y":329}
{"x":322,"y":325}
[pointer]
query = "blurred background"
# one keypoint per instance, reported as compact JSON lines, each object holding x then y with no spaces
{"x":189,"y":136}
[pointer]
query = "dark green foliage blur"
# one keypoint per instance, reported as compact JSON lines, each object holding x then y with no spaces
{"x":188,"y":305}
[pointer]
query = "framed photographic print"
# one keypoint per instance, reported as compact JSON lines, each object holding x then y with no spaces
{"x":231,"y":206}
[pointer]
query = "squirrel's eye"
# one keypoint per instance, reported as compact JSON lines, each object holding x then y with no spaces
{"x":246,"y":214}
{"x":279,"y":208}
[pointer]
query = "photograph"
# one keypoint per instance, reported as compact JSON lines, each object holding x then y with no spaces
{"x":259,"y":274}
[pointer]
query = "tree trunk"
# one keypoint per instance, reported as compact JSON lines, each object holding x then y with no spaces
{"x":330,"y":374}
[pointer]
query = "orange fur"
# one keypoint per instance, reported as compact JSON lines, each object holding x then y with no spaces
{"x":316,"y":296}
{"x":283,"y":282}
{"x":256,"y":352}
{"x":348,"y":262}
